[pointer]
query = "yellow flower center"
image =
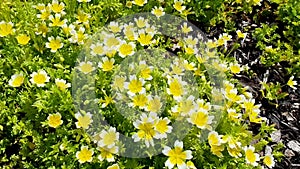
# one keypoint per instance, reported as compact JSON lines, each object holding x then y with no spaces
{"x":39,"y":78}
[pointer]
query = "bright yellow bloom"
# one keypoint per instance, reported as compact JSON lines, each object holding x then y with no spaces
{"x":178,"y":5}
{"x":57,"y":7}
{"x":83,"y":17}
{"x":217,"y":150}
{"x":214,"y":139}
{"x":45,"y":14}
{"x":145,"y":39}
{"x":135,"y":85}
{"x":42,"y":29}
{"x":62,"y":84}
{"x":240,"y":34}
{"x":126,"y":49}
{"x":97,"y":49}
{"x":106,"y":64}
{"x":161,"y":126}
{"x":84,"y":0}
{"x":235,"y":68}
{"x":54,"y":43}
{"x":16,"y":80}
{"x":269,"y":160}
{"x":54,"y":120}
{"x":201,"y":119}
{"x":176,"y":87}
{"x":56,"y":21}
{"x":84,"y":155}
{"x":292,"y":83}
{"x":139,"y":2}
{"x":146,"y":129}
{"x":39,"y":78}
{"x":6,"y":28}
{"x":139,"y":100}
{"x":83,"y":121}
{"x":23,"y":39}
{"x":177,"y":155}
{"x":251,"y":157}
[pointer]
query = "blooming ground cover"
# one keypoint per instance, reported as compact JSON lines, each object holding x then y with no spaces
{"x":149,"y":84}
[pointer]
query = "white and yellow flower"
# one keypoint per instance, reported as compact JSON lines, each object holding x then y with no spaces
{"x":54,"y":120}
{"x":141,"y":22}
{"x":78,"y":36}
{"x":250,"y":155}
{"x":86,"y":67}
{"x":139,"y":100}
{"x":158,"y":11}
{"x":108,"y":153}
{"x":269,"y":160}
{"x":176,"y":87}
{"x":68,"y":29}
{"x":126,"y":49}
{"x":57,"y":7}
{"x":154,"y":104}
{"x":178,"y":5}
{"x":233,"y":115}
{"x":235,"y":68}
{"x":39,"y":78}
{"x":54,"y":43}
{"x":108,"y":138}
{"x":162,"y":127}
{"x":115,"y":27}
{"x":241,"y":35}
{"x":292,"y":83}
{"x":135,"y":85}
{"x":82,"y":17}
{"x":144,"y":38}
{"x":97,"y":49}
{"x":146,"y":129}
{"x":118,"y":82}
{"x":56,"y":20}
{"x":16,"y":80}
{"x":83,"y":121}
{"x":185,"y":28}
{"x":201,"y":119}
{"x":177,"y":156}
{"x":45,"y":14}
{"x":62,"y":84}
{"x":106,"y":64}
{"x":84,"y":0}
{"x":84,"y":155}
{"x":185,"y":106}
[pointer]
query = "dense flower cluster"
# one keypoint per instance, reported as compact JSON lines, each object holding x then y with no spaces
{"x":161,"y":94}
